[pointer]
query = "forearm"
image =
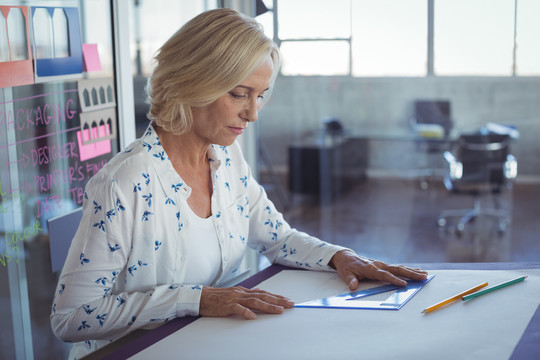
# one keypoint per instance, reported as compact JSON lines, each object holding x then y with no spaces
{"x":304,"y":251}
{"x":113,"y":316}
{"x":272,"y":236}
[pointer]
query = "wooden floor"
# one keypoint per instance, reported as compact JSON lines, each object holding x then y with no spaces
{"x":395,"y":221}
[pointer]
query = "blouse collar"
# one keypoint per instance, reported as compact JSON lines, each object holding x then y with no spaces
{"x":150,"y":141}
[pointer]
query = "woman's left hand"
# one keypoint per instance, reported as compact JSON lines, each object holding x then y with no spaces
{"x":352,"y":268}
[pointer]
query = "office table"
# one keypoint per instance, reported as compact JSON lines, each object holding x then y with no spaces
{"x":327,"y":169}
{"x":527,"y":347}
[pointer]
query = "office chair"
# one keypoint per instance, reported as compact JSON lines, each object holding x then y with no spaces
{"x":432,"y":124}
{"x":483,"y":165}
{"x":432,"y":118}
{"x":62,"y":229}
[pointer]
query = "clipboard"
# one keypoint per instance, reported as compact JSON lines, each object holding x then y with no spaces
{"x":350,"y":300}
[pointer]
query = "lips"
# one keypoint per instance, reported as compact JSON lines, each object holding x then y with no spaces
{"x":236,"y":130}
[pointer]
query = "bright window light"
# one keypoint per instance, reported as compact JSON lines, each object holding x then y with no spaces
{"x":314,"y":19}
{"x":389,"y":37}
{"x":267,"y":22}
{"x":528,"y":44}
{"x":474,"y":37}
{"x":315,"y":57}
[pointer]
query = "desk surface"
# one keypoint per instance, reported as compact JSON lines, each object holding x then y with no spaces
{"x":526,"y":348}
{"x":328,"y":142}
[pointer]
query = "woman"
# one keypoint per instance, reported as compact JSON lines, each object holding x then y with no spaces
{"x":169,"y":219}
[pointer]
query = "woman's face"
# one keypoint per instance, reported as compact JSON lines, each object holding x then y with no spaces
{"x":222,"y":121}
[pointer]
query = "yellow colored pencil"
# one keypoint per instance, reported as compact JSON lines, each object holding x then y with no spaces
{"x":454,"y":298}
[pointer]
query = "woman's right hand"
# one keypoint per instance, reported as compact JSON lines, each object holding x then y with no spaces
{"x":241,"y":301}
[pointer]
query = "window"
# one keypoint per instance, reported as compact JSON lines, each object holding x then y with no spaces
{"x":315,"y":37}
{"x":379,"y":38}
{"x":147,"y":38}
{"x":527,"y":44}
{"x":315,"y":58}
{"x":473,"y":40}
{"x":315,"y":19}
{"x":389,"y":38}
{"x":397,"y":49}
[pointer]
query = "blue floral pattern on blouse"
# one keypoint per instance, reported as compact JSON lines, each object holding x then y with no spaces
{"x":126,"y":266}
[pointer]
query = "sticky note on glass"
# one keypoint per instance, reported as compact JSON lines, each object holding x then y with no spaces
{"x":95,"y":149}
{"x":91,"y":60}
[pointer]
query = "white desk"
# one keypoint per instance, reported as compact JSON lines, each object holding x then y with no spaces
{"x":495,"y":326}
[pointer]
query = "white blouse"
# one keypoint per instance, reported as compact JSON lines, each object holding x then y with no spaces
{"x":127,"y":264}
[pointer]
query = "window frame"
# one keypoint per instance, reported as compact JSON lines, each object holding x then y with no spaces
{"x":430,"y":56}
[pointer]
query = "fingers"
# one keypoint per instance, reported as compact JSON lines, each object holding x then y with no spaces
{"x":353,"y":268}
{"x":351,"y":280}
{"x":389,"y":277}
{"x":394,"y":273}
{"x":241,"y":301}
{"x":270,"y":298}
{"x":409,"y":273}
{"x":238,"y":309}
{"x":252,"y":304}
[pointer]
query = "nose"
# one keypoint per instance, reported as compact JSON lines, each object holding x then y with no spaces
{"x":251,"y":111}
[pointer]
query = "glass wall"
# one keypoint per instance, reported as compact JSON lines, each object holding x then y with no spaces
{"x":57,"y":129}
{"x":342,"y":149}
{"x":147,"y":38}
{"x":345,"y":152}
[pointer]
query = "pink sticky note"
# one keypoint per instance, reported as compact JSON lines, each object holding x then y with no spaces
{"x":91,"y":58}
{"x":96,"y":149}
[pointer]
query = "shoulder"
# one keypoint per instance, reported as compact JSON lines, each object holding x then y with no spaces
{"x":125,"y":167}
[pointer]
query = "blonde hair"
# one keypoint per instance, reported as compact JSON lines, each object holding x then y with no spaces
{"x":210,"y":55}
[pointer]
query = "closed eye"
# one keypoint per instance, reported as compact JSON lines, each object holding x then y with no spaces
{"x":238,"y":96}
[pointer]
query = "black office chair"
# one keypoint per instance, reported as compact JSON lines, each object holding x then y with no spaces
{"x":431,"y":115}
{"x":483,"y":165}
{"x":432,"y":124}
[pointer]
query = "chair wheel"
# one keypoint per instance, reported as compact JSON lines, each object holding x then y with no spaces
{"x":502,"y":227}
{"x":460,"y":228}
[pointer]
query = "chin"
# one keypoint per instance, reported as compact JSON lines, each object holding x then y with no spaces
{"x":226,"y":142}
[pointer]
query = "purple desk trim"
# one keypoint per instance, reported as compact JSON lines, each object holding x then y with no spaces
{"x":527,"y":348}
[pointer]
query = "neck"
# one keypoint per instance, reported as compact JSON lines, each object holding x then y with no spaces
{"x":184,"y":149}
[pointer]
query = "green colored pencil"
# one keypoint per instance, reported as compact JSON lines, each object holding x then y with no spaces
{"x":493,"y":288}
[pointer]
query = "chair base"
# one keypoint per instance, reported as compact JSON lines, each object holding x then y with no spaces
{"x":426,"y":176}
{"x":466,"y":216}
